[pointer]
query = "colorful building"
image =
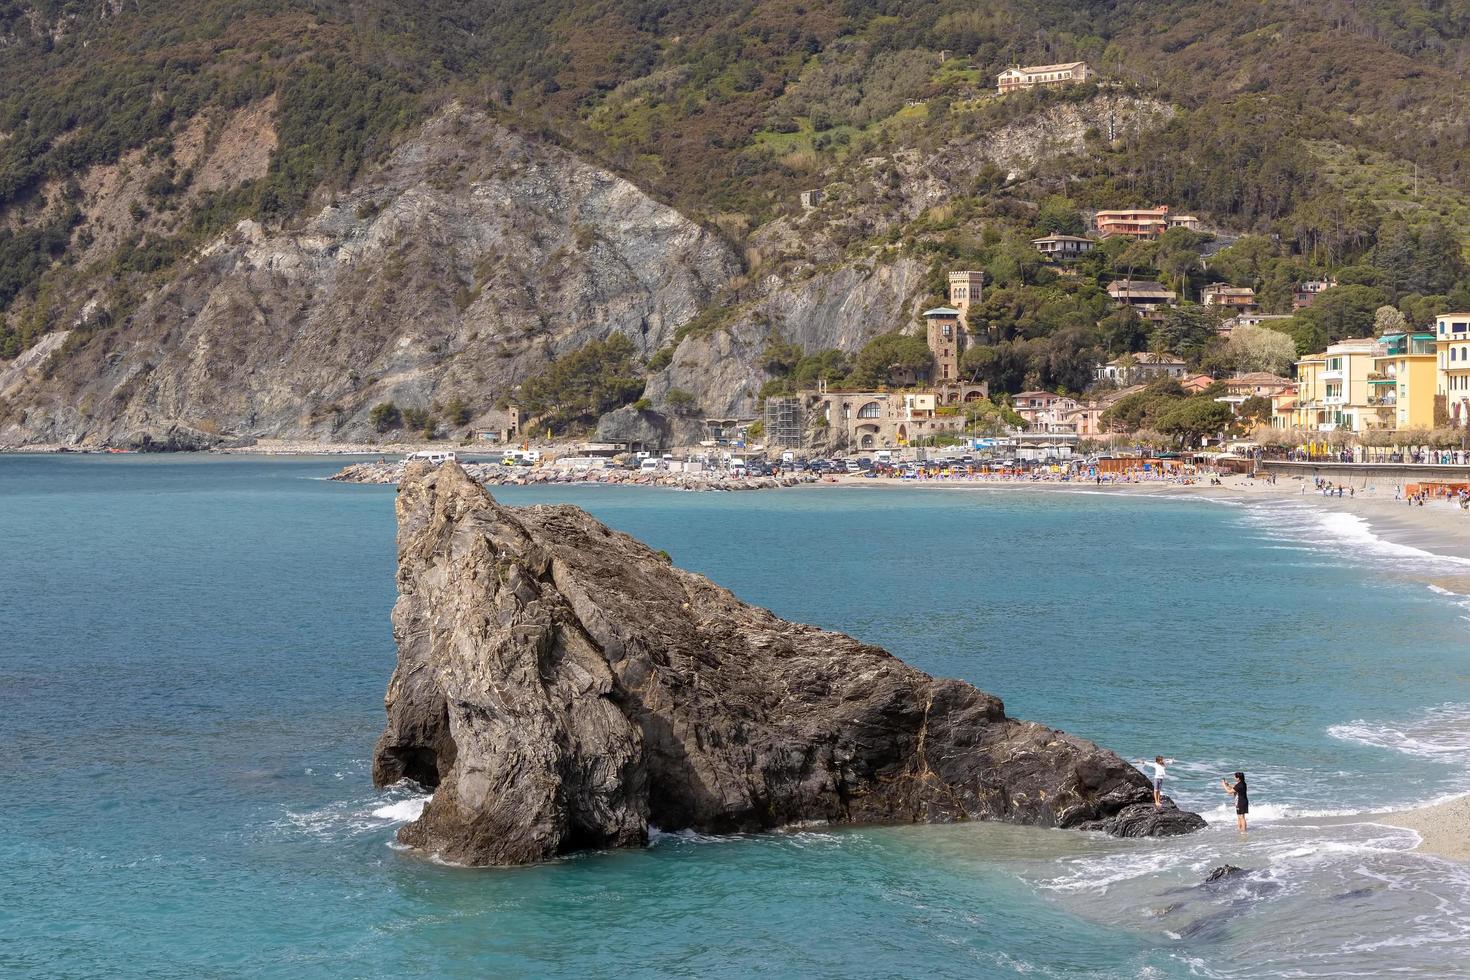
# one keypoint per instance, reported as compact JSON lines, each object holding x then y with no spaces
{"x":1452,"y":368}
{"x":1306,"y":410}
{"x":1404,"y":380}
{"x":1333,"y":392}
{"x":1145,"y":224}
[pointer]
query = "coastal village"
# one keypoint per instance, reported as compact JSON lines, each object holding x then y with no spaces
{"x":1401,"y":391}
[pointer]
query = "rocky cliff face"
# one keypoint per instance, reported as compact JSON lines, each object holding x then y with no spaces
{"x":464,"y":263}
{"x":843,"y":307}
{"x":561,"y":686}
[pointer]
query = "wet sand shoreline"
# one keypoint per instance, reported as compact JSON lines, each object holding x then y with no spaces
{"x":1443,"y":828}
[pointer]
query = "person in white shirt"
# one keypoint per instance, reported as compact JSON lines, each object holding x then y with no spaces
{"x":1159,"y":763}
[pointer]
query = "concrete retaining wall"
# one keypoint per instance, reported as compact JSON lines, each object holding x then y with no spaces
{"x":1386,"y":473}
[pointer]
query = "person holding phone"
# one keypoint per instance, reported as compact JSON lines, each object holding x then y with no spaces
{"x":1242,"y":798}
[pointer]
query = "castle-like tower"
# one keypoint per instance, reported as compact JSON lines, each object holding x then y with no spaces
{"x":966,"y":288}
{"x":946,"y":336}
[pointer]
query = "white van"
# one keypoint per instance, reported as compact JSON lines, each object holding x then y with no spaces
{"x":435,"y":458}
{"x":650,"y":466}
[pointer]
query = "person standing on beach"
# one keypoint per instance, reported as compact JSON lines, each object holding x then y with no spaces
{"x":1159,"y":765}
{"x":1242,"y":799}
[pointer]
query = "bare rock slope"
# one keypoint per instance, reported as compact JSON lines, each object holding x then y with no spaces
{"x":463,"y":263}
{"x":562,"y":686}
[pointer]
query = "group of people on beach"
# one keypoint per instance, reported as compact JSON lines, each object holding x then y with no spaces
{"x":1329,"y":489}
{"x":1237,"y":789}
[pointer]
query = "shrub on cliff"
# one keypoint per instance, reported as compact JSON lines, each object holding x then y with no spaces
{"x":578,"y":387}
{"x":385,"y":416}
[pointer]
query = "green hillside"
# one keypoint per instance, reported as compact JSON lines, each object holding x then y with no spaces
{"x":1334,"y":133}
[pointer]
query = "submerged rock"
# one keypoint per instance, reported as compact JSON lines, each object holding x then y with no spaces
{"x":561,"y":686}
{"x":1224,"y":871}
{"x":1146,"y":820}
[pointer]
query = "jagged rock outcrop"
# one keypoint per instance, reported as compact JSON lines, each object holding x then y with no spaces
{"x":561,"y":686}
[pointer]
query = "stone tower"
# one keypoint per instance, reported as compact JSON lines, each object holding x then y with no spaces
{"x":966,"y":288}
{"x":946,"y":336}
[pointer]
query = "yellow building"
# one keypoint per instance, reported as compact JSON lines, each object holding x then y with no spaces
{"x":1305,"y":409}
{"x":1452,"y":369}
{"x":1345,"y":388}
{"x":1403,"y":383}
{"x":1333,"y":390}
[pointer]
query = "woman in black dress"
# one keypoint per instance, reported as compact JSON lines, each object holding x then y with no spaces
{"x":1242,"y":799}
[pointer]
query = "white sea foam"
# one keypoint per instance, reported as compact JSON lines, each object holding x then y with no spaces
{"x":347,"y":818}
{"x":1441,"y":734}
{"x":1337,"y":533}
{"x":403,"y":810}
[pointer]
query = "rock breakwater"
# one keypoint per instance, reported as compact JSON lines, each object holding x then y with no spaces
{"x":561,"y":686}
{"x":493,"y":474}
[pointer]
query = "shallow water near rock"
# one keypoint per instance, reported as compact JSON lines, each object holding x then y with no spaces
{"x":193,"y":653}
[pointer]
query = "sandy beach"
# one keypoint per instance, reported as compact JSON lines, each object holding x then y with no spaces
{"x":1443,"y":828}
{"x":1438,"y":527}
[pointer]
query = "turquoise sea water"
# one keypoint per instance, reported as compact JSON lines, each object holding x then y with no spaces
{"x":193,"y":654}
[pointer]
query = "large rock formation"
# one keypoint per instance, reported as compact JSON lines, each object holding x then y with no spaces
{"x":561,"y":686}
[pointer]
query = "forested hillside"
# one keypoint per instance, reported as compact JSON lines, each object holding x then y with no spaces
{"x":1325,"y":138}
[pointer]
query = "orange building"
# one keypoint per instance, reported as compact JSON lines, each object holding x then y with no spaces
{"x":1145,"y":224}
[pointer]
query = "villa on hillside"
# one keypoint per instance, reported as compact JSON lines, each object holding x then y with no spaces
{"x":1195,"y":383}
{"x":1143,"y":295}
{"x":1140,"y":368}
{"x":1257,"y":383}
{"x":1068,"y":416}
{"x":1304,"y":292}
{"x":1063,"y":246}
{"x":1223,"y":294}
{"x":1145,"y":224}
{"x":1019,"y":77}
